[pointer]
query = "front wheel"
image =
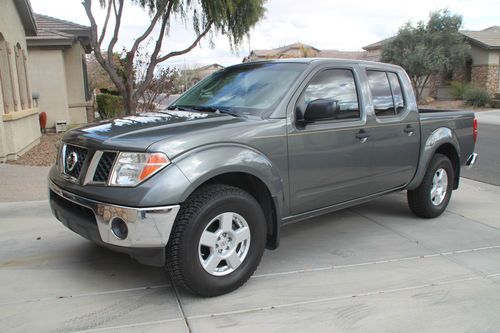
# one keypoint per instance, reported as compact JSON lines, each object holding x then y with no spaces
{"x":431,"y":198}
{"x":217,"y":241}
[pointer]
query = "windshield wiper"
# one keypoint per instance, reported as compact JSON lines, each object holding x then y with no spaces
{"x":216,"y":109}
{"x":180,"y":107}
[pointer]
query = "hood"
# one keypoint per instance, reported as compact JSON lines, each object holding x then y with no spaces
{"x":138,"y":132}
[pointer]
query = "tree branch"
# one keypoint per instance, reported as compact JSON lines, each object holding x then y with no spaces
{"x":105,"y":26}
{"x":114,"y":7}
{"x":156,"y":17}
{"x":423,"y":86}
{"x":118,"y":19}
{"x":152,"y":64}
{"x":106,"y":64}
{"x":187,"y":49}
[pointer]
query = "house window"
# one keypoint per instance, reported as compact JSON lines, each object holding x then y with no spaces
{"x":5,"y":77}
{"x":21,"y":76}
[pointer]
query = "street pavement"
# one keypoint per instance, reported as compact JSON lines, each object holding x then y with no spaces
{"x":487,"y":167}
{"x":371,"y":268}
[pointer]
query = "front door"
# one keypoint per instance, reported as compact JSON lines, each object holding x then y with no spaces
{"x":329,"y":160}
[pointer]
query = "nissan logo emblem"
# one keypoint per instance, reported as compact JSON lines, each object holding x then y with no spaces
{"x":71,"y":161}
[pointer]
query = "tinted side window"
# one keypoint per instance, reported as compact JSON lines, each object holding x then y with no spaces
{"x":397,"y":93}
{"x":337,"y":85}
{"x":381,"y":93}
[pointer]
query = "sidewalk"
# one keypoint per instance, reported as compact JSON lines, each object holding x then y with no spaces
{"x":23,"y":183}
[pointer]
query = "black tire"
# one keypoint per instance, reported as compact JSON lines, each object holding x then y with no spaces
{"x":419,"y":199}
{"x":182,"y":260}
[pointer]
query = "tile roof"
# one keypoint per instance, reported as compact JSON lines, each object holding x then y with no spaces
{"x":281,"y":51}
{"x":377,"y":45}
{"x":54,"y":31}
{"x":52,"y":23}
{"x":51,"y":34}
{"x":488,"y":38}
{"x":358,"y":55}
{"x":263,"y":53}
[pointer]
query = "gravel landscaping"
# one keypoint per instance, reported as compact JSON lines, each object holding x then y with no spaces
{"x":43,"y":154}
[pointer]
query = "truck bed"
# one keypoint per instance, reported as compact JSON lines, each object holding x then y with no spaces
{"x":460,"y":121}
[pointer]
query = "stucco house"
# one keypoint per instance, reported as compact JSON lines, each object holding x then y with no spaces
{"x":43,"y":57}
{"x":19,"y":126}
{"x":485,"y":58}
{"x":481,"y":69}
{"x":58,"y":69}
{"x":194,"y":75}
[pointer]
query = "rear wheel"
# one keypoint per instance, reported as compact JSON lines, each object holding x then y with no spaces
{"x":217,"y":241}
{"x":431,"y":198}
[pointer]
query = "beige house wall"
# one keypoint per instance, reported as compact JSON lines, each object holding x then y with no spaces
{"x":62,"y":91}
{"x":50,"y":84}
{"x":75,"y":85}
{"x":21,"y":133}
{"x":12,"y":30}
{"x":479,"y":56}
{"x":19,"y":128}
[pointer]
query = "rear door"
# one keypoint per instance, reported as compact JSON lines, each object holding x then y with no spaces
{"x":395,"y":131}
{"x":329,"y":162}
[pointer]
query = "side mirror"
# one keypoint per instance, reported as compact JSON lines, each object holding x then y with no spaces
{"x":321,"y":109}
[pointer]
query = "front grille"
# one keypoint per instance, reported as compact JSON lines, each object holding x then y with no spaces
{"x":104,"y":167}
{"x":73,"y":161}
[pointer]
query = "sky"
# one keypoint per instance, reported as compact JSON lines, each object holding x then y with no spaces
{"x":324,"y":24}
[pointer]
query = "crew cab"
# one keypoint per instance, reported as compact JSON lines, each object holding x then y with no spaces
{"x":205,"y":185}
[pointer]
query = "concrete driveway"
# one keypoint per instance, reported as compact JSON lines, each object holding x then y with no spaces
{"x":372,"y":268}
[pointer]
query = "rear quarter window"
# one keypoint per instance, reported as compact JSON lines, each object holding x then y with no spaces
{"x":387,"y":94}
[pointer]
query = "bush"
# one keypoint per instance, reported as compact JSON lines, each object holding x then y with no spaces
{"x":109,"y":106}
{"x":477,"y":96}
{"x":458,"y":89}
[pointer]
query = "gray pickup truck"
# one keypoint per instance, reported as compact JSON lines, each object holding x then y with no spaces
{"x":205,"y":186}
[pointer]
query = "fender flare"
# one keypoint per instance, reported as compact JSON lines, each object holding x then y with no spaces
{"x":439,"y":137}
{"x":206,"y":162}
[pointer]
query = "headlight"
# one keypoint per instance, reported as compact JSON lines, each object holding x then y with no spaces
{"x":132,"y":168}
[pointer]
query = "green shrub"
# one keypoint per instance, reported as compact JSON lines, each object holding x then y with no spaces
{"x":477,"y":96}
{"x":458,"y":89}
{"x":109,"y":106}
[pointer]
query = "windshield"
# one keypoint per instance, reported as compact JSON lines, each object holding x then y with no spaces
{"x":245,"y":89}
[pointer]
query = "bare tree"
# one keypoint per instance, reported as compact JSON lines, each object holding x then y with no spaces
{"x":159,"y":88}
{"x":233,"y":18}
{"x":98,"y":77}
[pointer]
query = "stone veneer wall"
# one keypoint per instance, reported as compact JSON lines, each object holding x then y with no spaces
{"x":435,"y":80}
{"x":486,"y":76}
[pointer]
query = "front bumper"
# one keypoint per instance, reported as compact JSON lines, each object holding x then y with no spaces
{"x":148,"y":228}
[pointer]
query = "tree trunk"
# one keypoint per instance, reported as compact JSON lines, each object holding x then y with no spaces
{"x":416,"y":90}
{"x":129,"y":103}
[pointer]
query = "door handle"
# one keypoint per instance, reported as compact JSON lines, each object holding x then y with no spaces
{"x":362,"y":135}
{"x":409,"y":130}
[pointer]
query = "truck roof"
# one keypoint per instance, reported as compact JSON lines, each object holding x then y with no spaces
{"x":336,"y":61}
